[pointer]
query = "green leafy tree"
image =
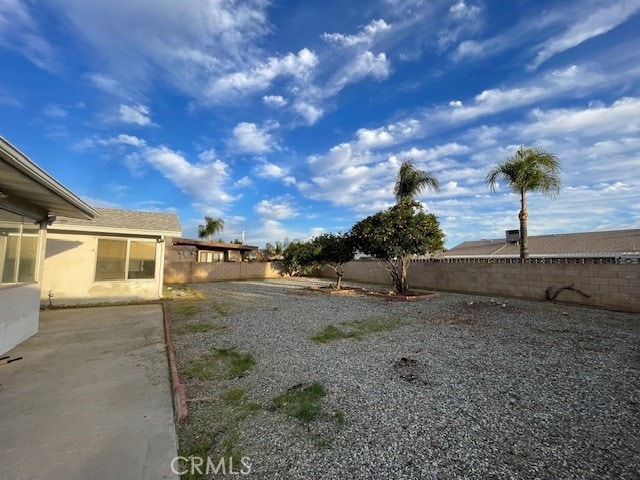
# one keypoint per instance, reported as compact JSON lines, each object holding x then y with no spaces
{"x":396,"y":235}
{"x":333,"y":250}
{"x":410,"y":181}
{"x":211,"y":227}
{"x":299,"y":258}
{"x":528,"y":170}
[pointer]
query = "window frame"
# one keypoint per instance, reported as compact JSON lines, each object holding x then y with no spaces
{"x":22,"y":233}
{"x":126,"y":278}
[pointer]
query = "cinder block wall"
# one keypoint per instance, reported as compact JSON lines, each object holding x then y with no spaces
{"x":200,"y":272}
{"x":615,"y":286}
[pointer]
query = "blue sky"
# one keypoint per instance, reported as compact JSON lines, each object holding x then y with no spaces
{"x":289,"y":119}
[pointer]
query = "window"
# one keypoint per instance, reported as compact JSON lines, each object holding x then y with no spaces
{"x":19,"y":248}
{"x":112,"y":257}
{"x":142,"y":260}
{"x":210,"y":256}
{"x":125,"y":260}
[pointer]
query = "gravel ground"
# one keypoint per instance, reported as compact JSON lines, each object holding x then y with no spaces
{"x":466,"y":387}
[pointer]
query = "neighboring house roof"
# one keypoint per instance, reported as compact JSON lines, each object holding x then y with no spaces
{"x":610,"y":243}
{"x":21,"y":177}
{"x":200,"y":245}
{"x":126,"y":222}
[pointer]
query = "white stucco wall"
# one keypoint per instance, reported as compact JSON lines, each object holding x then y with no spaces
{"x":19,"y":314}
{"x":69,"y":272}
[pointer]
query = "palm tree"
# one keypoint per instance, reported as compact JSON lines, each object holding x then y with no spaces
{"x":410,"y":181}
{"x":528,"y":170}
{"x":211,"y":227}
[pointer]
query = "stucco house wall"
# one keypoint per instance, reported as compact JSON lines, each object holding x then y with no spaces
{"x":29,"y":199}
{"x":70,"y":267}
{"x":71,"y":259}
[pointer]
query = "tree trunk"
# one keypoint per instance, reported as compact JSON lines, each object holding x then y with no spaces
{"x":339,"y":272}
{"x":404,"y":267}
{"x":524,"y":247}
{"x":396,"y":279}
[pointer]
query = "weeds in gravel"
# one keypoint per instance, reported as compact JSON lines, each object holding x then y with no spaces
{"x":215,"y":430}
{"x":185,"y":308}
{"x":357,"y":329}
{"x":331,"y":333}
{"x":220,"y":363}
{"x":198,"y":450}
{"x":219,"y":308}
{"x":338,"y":416}
{"x":301,"y":402}
{"x":237,"y":397}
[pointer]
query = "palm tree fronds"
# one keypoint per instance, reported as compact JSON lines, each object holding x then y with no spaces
{"x":410,"y":181}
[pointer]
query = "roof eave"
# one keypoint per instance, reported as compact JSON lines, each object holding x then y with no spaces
{"x":60,"y":227}
{"x":27,"y":167}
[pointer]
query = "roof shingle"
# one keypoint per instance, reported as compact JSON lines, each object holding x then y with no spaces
{"x":123,"y":221}
{"x":612,"y":243}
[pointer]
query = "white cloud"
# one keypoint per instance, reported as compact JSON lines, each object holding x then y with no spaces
{"x":249,"y":138}
{"x":434,"y":153}
{"x":365,"y":36}
{"x":463,"y":11}
{"x":276,"y":209}
{"x":274,"y":100}
{"x":107,"y":84}
{"x":123,"y":139}
{"x":55,"y":111}
{"x":183,"y":43}
{"x":338,"y":157}
{"x":532,"y":26}
{"x":364,"y":65}
{"x":622,"y":117}
{"x":309,"y":112}
{"x":20,"y":32}
{"x":359,"y":151}
{"x":572,"y":79}
{"x":391,"y":134}
{"x":202,"y":180}
{"x":374,"y":138}
{"x":243,"y":182}
{"x":616,"y":187}
{"x":135,"y":114}
{"x":463,"y":18}
{"x":260,"y":77}
{"x":597,"y":23}
{"x":271,"y":170}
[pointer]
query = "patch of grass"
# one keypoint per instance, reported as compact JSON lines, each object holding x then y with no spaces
{"x":331,"y":333}
{"x":219,"y":308}
{"x":213,"y":430}
{"x":185,"y":308}
{"x":301,"y":402}
{"x":338,"y":416}
{"x":357,"y":329}
{"x":220,"y":363}
{"x":198,"y":450}
{"x":237,"y":397}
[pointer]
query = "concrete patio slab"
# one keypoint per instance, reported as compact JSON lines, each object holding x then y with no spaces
{"x":90,"y":399}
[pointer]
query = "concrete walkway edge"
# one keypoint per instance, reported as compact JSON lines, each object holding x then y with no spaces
{"x":179,"y":396}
